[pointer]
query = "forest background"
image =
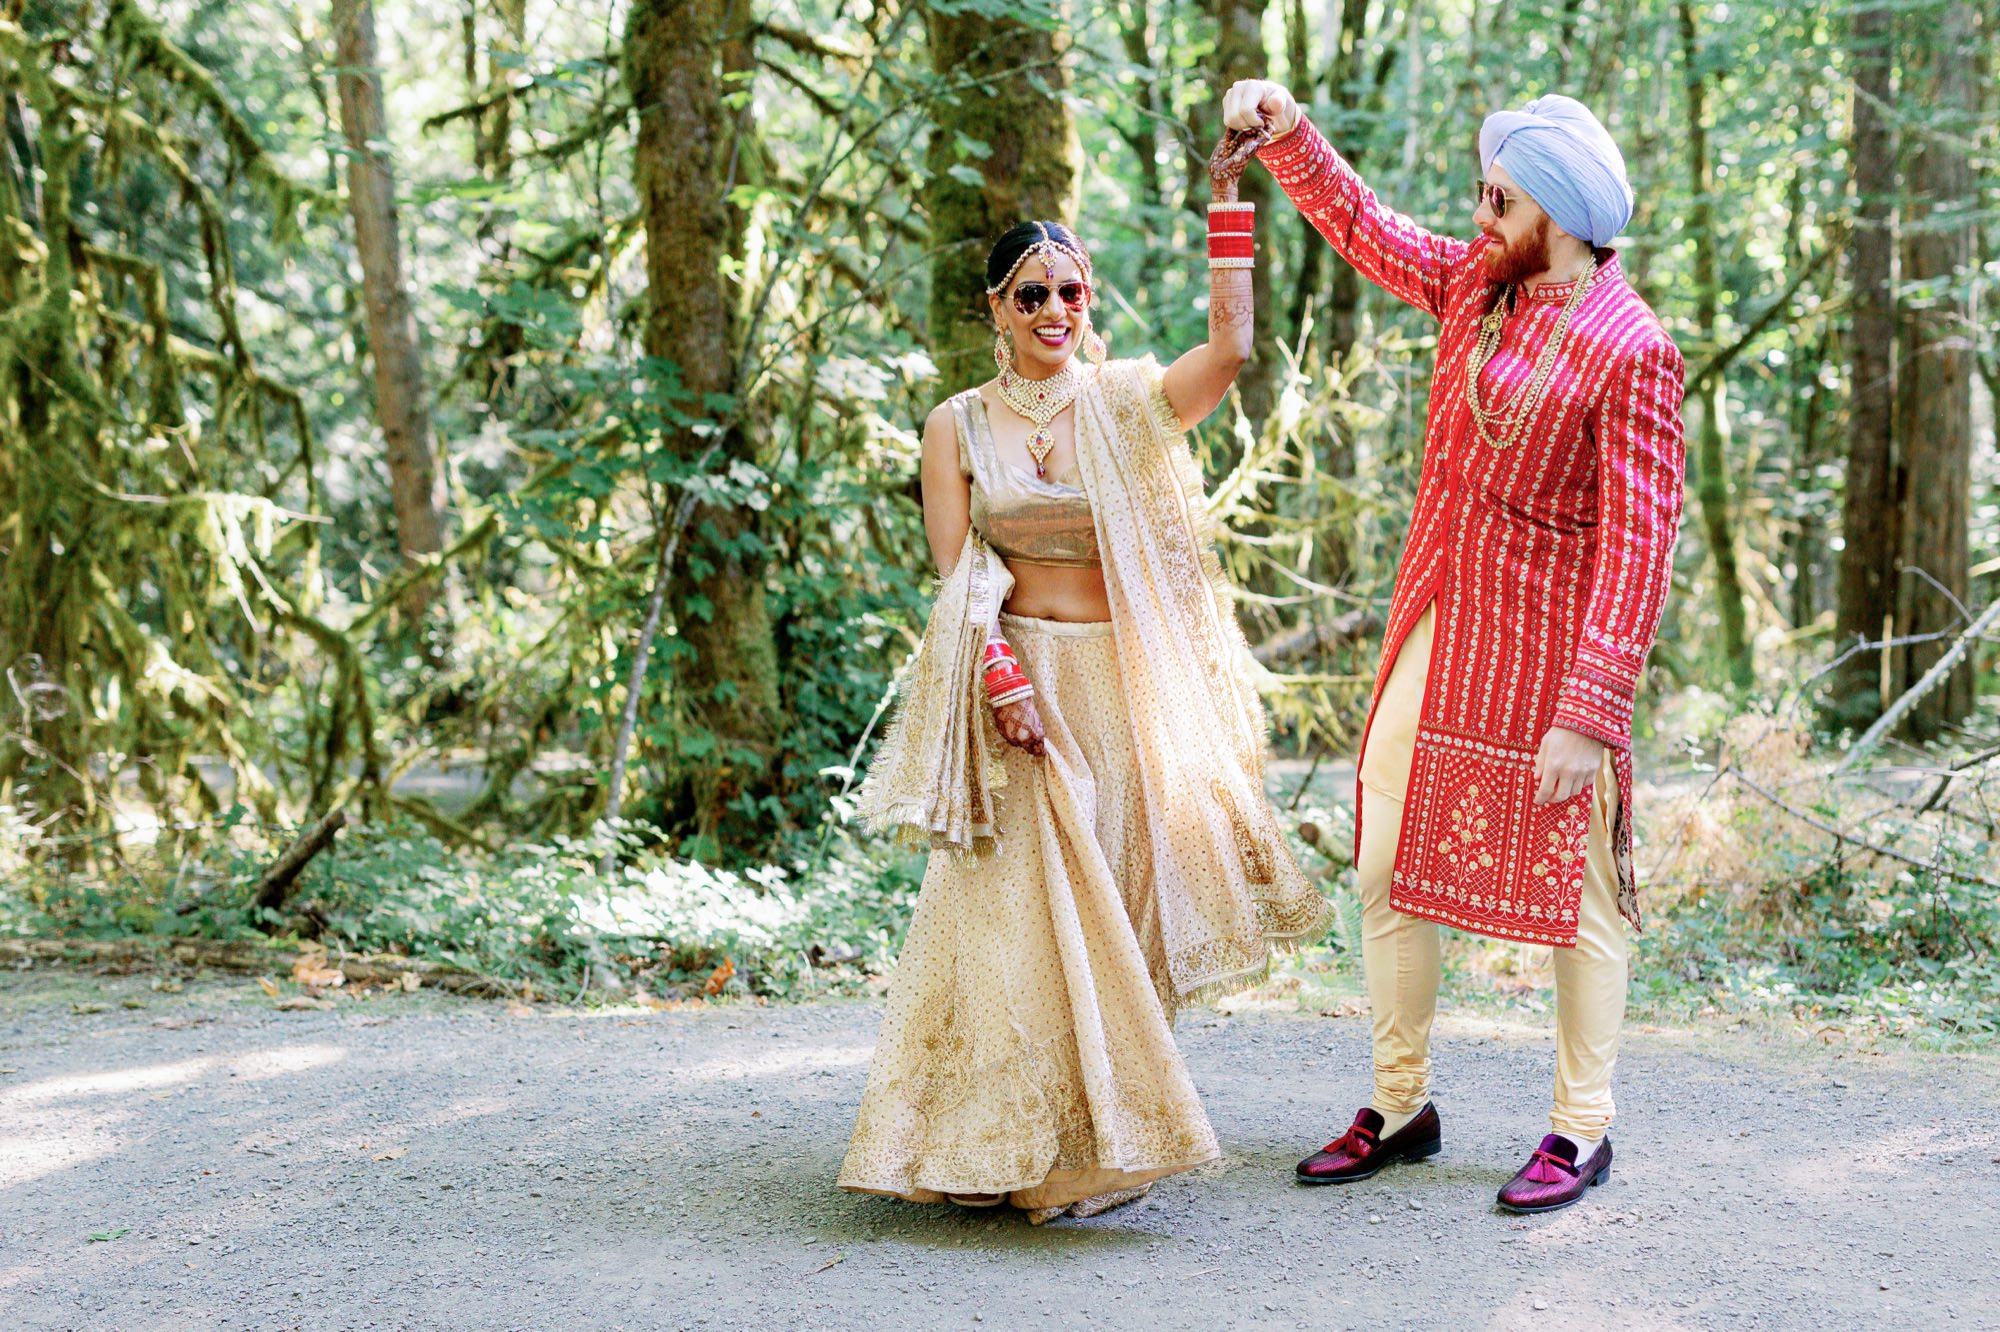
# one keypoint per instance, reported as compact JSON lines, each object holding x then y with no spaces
{"x":458,"y":504}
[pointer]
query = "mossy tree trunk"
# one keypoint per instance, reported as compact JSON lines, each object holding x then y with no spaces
{"x":1013,"y":142}
{"x":725,"y":664}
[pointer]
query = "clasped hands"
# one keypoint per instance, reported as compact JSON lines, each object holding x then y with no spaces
{"x":1259,"y":104}
{"x":1254,"y":112}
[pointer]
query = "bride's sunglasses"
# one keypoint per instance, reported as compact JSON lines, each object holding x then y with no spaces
{"x":1030,"y":297}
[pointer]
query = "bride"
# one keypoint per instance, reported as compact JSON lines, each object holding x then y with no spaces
{"x":1081,"y":747}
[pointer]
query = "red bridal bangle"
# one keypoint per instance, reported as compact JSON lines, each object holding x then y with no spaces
{"x":1002,"y":689}
{"x":1014,"y":695}
{"x":1232,"y":217}
{"x":1232,"y":241}
{"x":1005,"y":681}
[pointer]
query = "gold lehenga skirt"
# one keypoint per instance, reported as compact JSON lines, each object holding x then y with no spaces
{"x":1028,"y":1049}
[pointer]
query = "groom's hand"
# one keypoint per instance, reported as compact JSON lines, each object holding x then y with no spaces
{"x":1566,"y":763}
{"x":1259,"y":104}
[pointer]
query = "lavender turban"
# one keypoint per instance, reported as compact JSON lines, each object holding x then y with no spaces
{"x":1555,"y":149}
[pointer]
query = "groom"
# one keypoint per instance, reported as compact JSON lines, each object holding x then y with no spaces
{"x":1495,"y":782}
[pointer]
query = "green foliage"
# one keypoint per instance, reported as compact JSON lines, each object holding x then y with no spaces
{"x":197,"y":567}
{"x":1906,"y":954}
{"x":539,"y":914}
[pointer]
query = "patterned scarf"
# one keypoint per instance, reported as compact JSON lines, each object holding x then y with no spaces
{"x":1226,"y":883}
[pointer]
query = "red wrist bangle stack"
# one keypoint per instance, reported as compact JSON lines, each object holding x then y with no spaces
{"x":1232,"y":241}
{"x":1005,"y":681}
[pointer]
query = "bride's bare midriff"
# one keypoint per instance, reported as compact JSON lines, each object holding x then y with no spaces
{"x":1058,"y":592}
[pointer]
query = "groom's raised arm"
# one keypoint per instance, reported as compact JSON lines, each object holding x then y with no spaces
{"x":1388,"y":249}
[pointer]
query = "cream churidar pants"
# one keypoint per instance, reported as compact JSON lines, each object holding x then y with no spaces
{"x":1399,"y":953}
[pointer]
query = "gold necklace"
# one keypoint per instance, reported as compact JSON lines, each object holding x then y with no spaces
{"x":1526,"y":401}
{"x":1040,"y":401}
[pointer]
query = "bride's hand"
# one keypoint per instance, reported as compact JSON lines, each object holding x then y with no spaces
{"x":1020,"y":725}
{"x":1231,"y":156}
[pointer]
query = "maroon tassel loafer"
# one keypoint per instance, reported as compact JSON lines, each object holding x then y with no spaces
{"x":1361,"y":1152}
{"x":1552,"y":1179}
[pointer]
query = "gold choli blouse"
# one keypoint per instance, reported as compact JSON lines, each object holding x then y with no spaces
{"x":1022,"y":517}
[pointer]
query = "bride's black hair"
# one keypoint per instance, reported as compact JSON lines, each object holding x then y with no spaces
{"x":1007,"y":251}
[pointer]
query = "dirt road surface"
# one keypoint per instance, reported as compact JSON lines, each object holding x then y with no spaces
{"x":425,"y":1162}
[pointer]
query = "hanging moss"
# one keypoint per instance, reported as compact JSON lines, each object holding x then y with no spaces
{"x":136,"y":586}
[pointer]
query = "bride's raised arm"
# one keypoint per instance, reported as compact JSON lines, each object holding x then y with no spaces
{"x":1197,"y":380}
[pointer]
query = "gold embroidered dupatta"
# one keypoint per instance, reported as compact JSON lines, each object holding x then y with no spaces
{"x":1226,"y":885}
{"x":933,"y":780}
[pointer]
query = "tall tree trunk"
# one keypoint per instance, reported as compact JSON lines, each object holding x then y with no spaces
{"x":1305,"y":281}
{"x":1808,"y":538}
{"x":1240,"y":53}
{"x":726,"y":672}
{"x":1869,"y":520}
{"x":401,"y":405}
{"x":1019,"y":110}
{"x":1935,"y":368}
{"x":1136,"y":32}
{"x":1343,"y":313}
{"x":493,"y":157}
{"x":1712,"y":449}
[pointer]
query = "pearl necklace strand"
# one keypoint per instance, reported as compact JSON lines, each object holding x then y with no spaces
{"x":1483,"y":348}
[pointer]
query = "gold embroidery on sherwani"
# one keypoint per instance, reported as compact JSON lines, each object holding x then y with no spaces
{"x":1027,"y":1048}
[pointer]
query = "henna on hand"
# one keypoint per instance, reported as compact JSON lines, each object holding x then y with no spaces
{"x":1020,"y":725}
{"x":1226,"y":164}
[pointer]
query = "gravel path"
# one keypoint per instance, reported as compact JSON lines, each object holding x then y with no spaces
{"x":423,"y":1162}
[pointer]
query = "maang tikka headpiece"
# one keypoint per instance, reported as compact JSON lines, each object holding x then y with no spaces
{"x":1048,"y":247}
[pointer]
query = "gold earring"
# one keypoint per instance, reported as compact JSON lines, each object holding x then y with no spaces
{"x":1003,"y":353}
{"x":1094,"y":349}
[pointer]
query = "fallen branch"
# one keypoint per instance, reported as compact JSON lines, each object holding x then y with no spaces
{"x":635,"y":683}
{"x":1312,"y":636}
{"x":1842,"y":837}
{"x":442,"y":824}
{"x":249,"y":958}
{"x":1932,"y":678}
{"x":278,"y":880}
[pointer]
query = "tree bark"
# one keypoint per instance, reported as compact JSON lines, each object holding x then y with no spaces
{"x":726,"y":668}
{"x":1018,"y":108}
{"x":1869,"y":519}
{"x":1935,"y":367}
{"x":1349,"y":97}
{"x":1712,"y":447}
{"x":1136,"y":33}
{"x":401,"y":405}
{"x":1240,"y":53}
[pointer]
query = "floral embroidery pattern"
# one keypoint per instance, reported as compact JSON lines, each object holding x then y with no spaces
{"x":1561,"y":862}
{"x":1465,"y":845}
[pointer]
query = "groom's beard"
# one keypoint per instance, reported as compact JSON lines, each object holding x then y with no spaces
{"x":1507,"y":264}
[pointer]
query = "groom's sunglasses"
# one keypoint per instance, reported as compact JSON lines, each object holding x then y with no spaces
{"x":1030,"y":297}
{"x":1495,"y":198}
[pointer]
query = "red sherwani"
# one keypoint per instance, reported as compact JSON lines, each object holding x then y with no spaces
{"x":1548,"y":562}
